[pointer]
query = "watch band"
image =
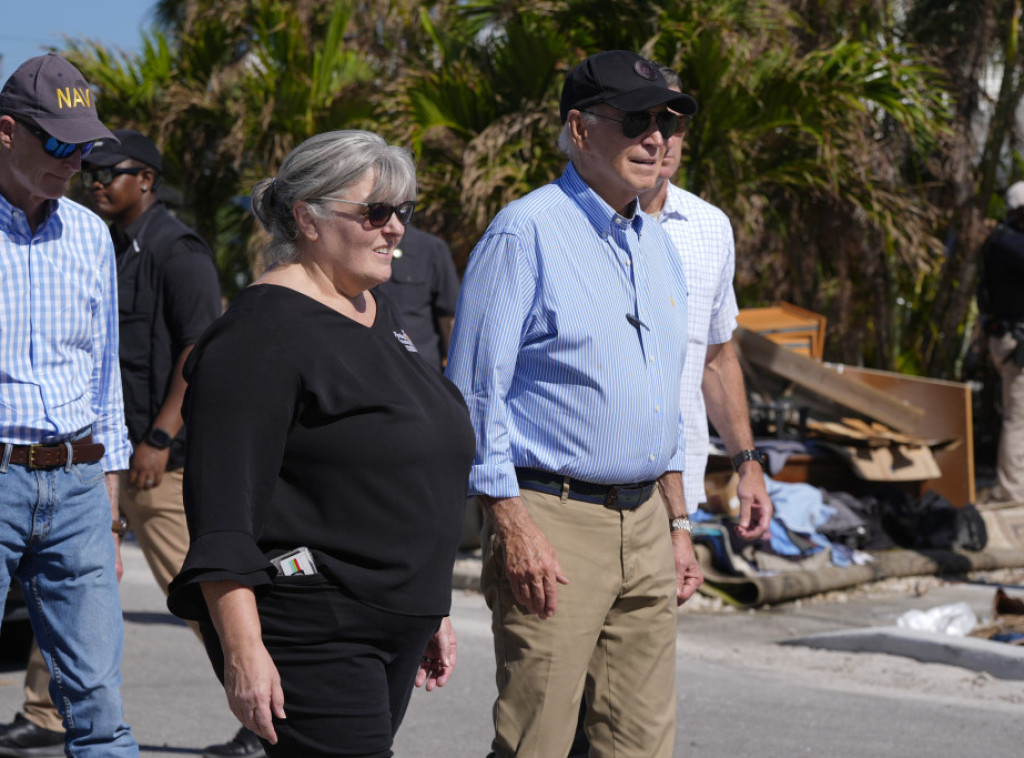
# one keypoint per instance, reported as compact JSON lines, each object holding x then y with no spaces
{"x":681,"y":524}
{"x":753,"y":454}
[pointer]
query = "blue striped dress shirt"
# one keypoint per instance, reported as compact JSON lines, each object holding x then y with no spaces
{"x":59,"y":370}
{"x":569,"y":342}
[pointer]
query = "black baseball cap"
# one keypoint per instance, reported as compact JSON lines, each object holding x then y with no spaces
{"x":623,"y":80}
{"x":128,"y":143}
{"x":53,"y":94}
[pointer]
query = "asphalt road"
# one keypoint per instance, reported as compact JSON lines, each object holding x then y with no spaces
{"x":740,"y":694}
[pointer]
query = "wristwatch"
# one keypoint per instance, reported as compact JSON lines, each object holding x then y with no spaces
{"x":681,"y":524}
{"x":158,"y":438}
{"x":750,"y":455}
{"x":119,"y":526}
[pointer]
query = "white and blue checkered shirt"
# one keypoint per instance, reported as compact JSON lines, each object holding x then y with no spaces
{"x":59,"y":370}
{"x":703,"y":236}
{"x":567,"y":342}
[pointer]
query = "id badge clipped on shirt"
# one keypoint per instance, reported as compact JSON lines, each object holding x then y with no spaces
{"x":297,"y":562}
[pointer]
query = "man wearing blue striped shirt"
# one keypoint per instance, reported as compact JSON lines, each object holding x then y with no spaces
{"x":62,"y":431}
{"x":569,"y":345}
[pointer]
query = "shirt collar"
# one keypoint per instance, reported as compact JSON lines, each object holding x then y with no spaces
{"x":602,"y":216}
{"x":675,"y":203}
{"x":134,"y":229}
{"x":14,"y":222}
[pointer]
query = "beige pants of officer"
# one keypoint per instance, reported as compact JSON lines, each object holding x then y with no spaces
{"x":613,"y":635}
{"x":1010,"y":463}
{"x":157,"y":518}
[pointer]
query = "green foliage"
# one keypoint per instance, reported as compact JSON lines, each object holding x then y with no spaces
{"x":837,"y":136}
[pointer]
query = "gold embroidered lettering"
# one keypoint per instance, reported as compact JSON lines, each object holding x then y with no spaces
{"x":73,"y":97}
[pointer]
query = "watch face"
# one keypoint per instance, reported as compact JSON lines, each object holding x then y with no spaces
{"x":158,"y":438}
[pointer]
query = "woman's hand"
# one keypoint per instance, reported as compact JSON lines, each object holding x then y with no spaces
{"x":251,"y":681}
{"x":438,"y":660}
{"x":253,"y":687}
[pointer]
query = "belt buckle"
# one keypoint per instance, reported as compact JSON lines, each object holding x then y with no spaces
{"x":612,"y":497}
{"x":31,"y":456}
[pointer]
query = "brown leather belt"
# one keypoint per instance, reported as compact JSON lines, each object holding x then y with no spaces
{"x":53,"y":455}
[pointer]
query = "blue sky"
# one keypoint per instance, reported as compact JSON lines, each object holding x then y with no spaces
{"x":27,"y":26}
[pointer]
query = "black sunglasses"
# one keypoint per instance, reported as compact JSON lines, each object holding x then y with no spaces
{"x":635,"y":123}
{"x":54,"y":147}
{"x":105,"y":175}
{"x":378,"y":214}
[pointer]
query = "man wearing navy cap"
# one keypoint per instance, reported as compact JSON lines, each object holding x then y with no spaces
{"x":62,"y":431}
{"x":573,"y":388}
{"x":168,"y":294}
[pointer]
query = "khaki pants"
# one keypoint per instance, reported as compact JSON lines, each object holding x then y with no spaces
{"x":157,"y":518}
{"x":1010,"y":463}
{"x":612,"y":636}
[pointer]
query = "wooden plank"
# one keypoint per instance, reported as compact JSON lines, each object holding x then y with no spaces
{"x":855,"y":395}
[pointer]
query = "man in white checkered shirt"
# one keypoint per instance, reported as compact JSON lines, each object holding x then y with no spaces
{"x":712,"y":384}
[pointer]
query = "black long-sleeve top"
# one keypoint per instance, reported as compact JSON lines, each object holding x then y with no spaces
{"x":1004,"y":272}
{"x":309,"y":429}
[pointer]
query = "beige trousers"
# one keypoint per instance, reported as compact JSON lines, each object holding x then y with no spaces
{"x":157,"y":518}
{"x":612,"y":638}
{"x":1010,"y":461}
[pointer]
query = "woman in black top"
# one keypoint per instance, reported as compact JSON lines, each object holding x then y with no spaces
{"x":313,"y":424}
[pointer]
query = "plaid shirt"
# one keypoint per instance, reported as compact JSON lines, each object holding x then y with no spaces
{"x":59,"y":369}
{"x":703,"y":237}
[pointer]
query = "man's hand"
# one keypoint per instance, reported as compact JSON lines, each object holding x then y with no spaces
{"x":688,"y":572}
{"x":755,"y":506}
{"x":147,"y":466}
{"x":530,"y":561}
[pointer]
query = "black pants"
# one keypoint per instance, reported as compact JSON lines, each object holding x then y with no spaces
{"x":347,"y":669}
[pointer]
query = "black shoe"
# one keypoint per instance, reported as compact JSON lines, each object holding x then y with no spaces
{"x":245,"y":744}
{"x":23,"y":738}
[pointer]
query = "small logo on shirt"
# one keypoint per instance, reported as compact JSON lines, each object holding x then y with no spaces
{"x":404,"y":339}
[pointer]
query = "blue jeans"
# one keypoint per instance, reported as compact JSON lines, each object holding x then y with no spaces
{"x":55,"y":538}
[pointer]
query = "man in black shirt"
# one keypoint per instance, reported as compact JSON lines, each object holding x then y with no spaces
{"x":423,"y":290}
{"x":1001,"y":301}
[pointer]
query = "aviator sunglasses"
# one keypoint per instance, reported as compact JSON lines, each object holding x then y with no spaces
{"x":378,"y":214}
{"x":105,"y":175}
{"x":53,"y":146}
{"x":635,"y":123}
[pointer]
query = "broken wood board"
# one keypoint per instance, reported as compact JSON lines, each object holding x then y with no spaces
{"x":893,"y":411}
{"x":890,"y":463}
{"x":947,"y":416}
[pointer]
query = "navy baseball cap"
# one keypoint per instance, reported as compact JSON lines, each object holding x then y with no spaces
{"x":623,"y":80}
{"x":53,"y":94}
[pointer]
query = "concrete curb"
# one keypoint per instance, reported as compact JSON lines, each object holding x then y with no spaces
{"x":1000,"y":659}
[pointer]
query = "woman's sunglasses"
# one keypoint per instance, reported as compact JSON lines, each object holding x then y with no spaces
{"x":635,"y":123}
{"x":104,"y":175}
{"x":378,"y":214}
{"x":53,"y":146}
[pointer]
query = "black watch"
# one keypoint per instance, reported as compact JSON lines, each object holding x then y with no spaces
{"x":750,"y":455}
{"x":158,"y":438}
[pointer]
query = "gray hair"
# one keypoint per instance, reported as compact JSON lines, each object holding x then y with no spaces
{"x":565,"y":143}
{"x":671,"y":76}
{"x":325,"y":165}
